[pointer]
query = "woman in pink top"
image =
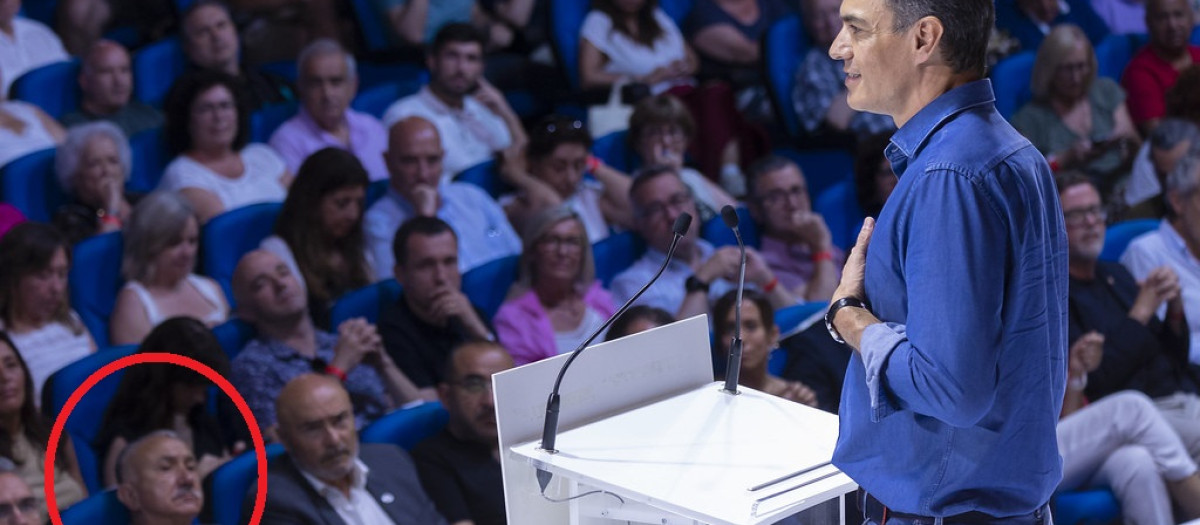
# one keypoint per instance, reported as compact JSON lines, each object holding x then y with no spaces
{"x":557,"y":301}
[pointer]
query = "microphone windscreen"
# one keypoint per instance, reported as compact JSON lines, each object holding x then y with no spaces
{"x":730,"y":216}
{"x":682,"y":223}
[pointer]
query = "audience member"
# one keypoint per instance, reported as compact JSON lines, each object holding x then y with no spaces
{"x":638,"y":319}
{"x":1140,"y":352}
{"x":24,"y":435}
{"x":272,"y":30}
{"x":698,"y":270}
{"x":633,"y":41}
{"x":760,"y":336}
{"x":817,"y":361}
{"x":1156,"y":67}
{"x":432,"y":315}
{"x":162,"y":396}
{"x":1176,"y":245}
{"x":24,"y":127}
{"x":1172,"y":140}
{"x":106,"y":86}
{"x":416,"y":23}
{"x":210,"y":41}
{"x":557,"y":302}
{"x":326,"y":476}
{"x":873,"y":176}
{"x":216,"y":169}
{"x":1030,"y":21}
{"x":1122,"y":16}
{"x":24,"y":44}
{"x":327,"y":84}
{"x":158,"y":265}
{"x":270,"y":297}
{"x":20,"y":505}
{"x":1077,"y":119}
{"x":158,"y":480}
{"x":472,"y":116}
{"x":460,"y":466}
{"x":796,"y":243}
{"x":35,"y":259}
{"x":418,"y":189}
{"x":558,"y":158}
{"x":819,"y":96}
{"x":661,"y":132}
{"x":319,"y":232}
{"x":92,"y":165}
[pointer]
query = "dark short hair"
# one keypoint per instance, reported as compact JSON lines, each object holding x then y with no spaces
{"x":660,"y":110}
{"x":446,"y":368}
{"x":967,"y":26}
{"x":25,"y":250}
{"x":1070,"y":178}
{"x":725,"y":304}
{"x":761,"y":167}
{"x":622,"y":325}
{"x":200,"y":4}
{"x":179,"y":107}
{"x":427,"y":226}
{"x":647,"y":174}
{"x":553,"y":131}
{"x":455,"y":33}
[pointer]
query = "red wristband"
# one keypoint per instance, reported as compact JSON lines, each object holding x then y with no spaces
{"x":108,"y":218}
{"x":593,"y":163}
{"x":822,"y":256}
{"x":769,"y":287}
{"x":335,"y":371}
{"x":1054,"y":165}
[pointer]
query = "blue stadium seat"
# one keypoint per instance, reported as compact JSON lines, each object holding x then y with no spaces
{"x":375,"y":191}
{"x":677,"y":9}
{"x":372,"y":25}
{"x":1112,"y":54}
{"x":1087,"y":507}
{"x":101,"y":507}
{"x":407,"y":426}
{"x":839,"y":206}
{"x":155,"y":68}
{"x":614,"y":150}
{"x":1010,"y":81}
{"x":284,"y":68}
{"x":266,"y":120}
{"x":149,"y":153}
{"x":52,"y":87}
{"x":1119,"y":235}
{"x":233,"y":480}
{"x":85,"y":420}
{"x":95,"y":280}
{"x":228,"y":236}
{"x":29,"y":184}
{"x":41,"y":10}
{"x":784,"y":45}
{"x":616,"y":253}
{"x":233,"y":336}
{"x":792,"y":318}
{"x":366,"y":302}
{"x":486,"y":176}
{"x":375,"y":100}
{"x":1196,"y":36}
{"x":487,"y":285}
{"x":566,"y":21}
{"x":371,"y":74}
{"x":716,"y":232}
{"x":822,"y":168}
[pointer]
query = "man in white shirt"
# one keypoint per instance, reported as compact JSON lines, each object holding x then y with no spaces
{"x":24,"y":44}
{"x":472,"y":116}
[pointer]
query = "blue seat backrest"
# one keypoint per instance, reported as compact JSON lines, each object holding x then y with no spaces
{"x":230,"y":235}
{"x":52,"y":87}
{"x":372,"y":25}
{"x":1113,"y":54}
{"x":566,"y":21}
{"x":155,"y":68}
{"x":267,"y":119}
{"x":95,"y":280}
{"x":99,"y":508}
{"x":1087,"y":507}
{"x":150,"y":158}
{"x":716,"y":232}
{"x":1010,"y":81}
{"x":678,"y":10}
{"x":375,"y":100}
{"x":232,"y":481}
{"x":486,"y":285}
{"x":1118,"y":236}
{"x":366,"y":302}
{"x":375,"y":191}
{"x":406,"y":427}
{"x":615,"y":253}
{"x":410,"y":75}
{"x":822,"y":168}
{"x":233,"y":336}
{"x":486,"y":177}
{"x":614,"y":150}
{"x":839,"y":206}
{"x":29,"y":184}
{"x":784,"y":45}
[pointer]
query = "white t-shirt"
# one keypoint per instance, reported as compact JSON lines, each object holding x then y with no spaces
{"x":629,"y":58}
{"x":260,"y":182}
{"x":470,"y":135}
{"x":31,"y":45}
{"x":34,"y":138}
{"x":49,"y":348}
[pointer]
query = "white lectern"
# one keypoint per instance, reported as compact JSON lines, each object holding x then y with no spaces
{"x":646,"y":436}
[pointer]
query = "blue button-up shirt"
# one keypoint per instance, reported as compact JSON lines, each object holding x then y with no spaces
{"x":952,"y":405}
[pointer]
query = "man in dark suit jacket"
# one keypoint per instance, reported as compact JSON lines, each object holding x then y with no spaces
{"x":326,"y":477}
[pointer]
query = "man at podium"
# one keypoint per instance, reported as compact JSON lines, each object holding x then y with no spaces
{"x":957,"y":311}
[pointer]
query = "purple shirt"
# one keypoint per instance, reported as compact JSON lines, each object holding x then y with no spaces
{"x":792,"y":263}
{"x":300,"y":137}
{"x":524,"y":327}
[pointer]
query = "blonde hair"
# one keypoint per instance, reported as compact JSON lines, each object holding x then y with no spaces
{"x":537,"y":227}
{"x":1050,"y":55}
{"x":156,"y":223}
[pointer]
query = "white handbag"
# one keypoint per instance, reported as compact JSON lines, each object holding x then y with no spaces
{"x":610,"y":117}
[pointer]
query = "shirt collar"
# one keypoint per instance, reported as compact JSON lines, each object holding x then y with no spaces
{"x":358,"y":479}
{"x":437,"y":106}
{"x":1175,"y":241}
{"x":910,"y":138}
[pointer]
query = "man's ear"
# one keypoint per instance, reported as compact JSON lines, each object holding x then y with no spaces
{"x":128,"y":496}
{"x":927,"y":35}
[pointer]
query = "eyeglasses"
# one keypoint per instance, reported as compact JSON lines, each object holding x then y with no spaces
{"x":659,"y":208}
{"x":669,"y":131}
{"x":776,"y":197}
{"x":24,"y":506}
{"x":474,"y":384}
{"x":551,"y":242}
{"x":556,"y":126}
{"x":1080,"y":216}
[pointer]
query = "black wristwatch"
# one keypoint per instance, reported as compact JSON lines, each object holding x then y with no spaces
{"x":838,"y":305}
{"x":694,"y":284}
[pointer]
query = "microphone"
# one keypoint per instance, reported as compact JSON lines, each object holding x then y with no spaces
{"x":550,"y":429}
{"x":733,"y":367}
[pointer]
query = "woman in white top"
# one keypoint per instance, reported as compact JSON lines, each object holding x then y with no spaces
{"x":160,"y":254}
{"x":216,"y":170}
{"x":633,"y":40}
{"x":24,"y":129}
{"x":34,"y":261}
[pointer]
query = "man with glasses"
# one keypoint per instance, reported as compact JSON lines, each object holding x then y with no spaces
{"x":18,"y":504}
{"x":460,"y":467}
{"x":796,"y":243}
{"x":699,"y":271}
{"x":1112,"y":311}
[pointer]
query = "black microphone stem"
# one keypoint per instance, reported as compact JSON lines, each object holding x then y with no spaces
{"x":733,"y":366}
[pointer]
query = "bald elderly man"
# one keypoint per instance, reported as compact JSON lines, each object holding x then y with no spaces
{"x":157,"y":480}
{"x":106,"y":84}
{"x":414,"y":162}
{"x":326,"y":476}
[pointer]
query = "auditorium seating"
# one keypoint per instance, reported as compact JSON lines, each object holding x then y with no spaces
{"x":52,"y":87}
{"x":100,"y":507}
{"x":29,"y":184}
{"x":95,"y":280}
{"x":366,"y":302}
{"x":232,"y":481}
{"x":406,"y":427}
{"x":1119,"y":235}
{"x":228,"y":236}
{"x":486,"y":285}
{"x":838,"y":205}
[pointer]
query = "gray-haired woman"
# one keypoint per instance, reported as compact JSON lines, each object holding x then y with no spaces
{"x":92,"y":165}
